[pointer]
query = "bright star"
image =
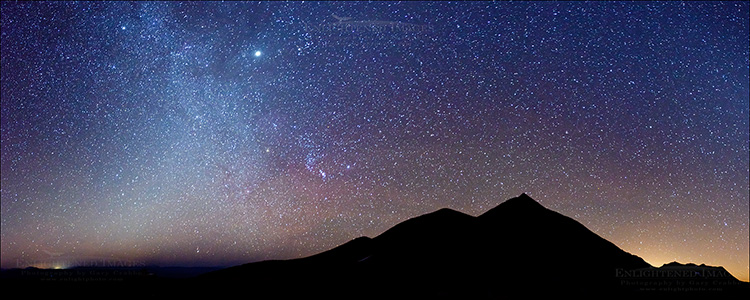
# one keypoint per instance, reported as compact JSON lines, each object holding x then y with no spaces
{"x":257,"y":53}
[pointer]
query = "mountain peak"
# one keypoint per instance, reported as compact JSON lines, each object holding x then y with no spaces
{"x":437,"y":222}
{"x":521,"y":204}
{"x":523,"y":199}
{"x":447,"y":211}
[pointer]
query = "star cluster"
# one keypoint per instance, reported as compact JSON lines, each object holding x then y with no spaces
{"x":193,"y":133}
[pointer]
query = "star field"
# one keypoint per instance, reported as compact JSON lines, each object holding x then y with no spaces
{"x":192,"y":133}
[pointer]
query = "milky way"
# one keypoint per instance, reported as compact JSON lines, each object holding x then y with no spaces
{"x":223,"y":133}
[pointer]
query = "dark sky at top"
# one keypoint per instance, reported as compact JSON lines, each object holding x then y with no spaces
{"x":222,"y":133}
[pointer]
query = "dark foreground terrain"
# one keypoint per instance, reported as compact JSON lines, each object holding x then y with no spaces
{"x":518,"y":249}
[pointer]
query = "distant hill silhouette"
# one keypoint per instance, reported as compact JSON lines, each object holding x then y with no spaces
{"x":517,"y":247}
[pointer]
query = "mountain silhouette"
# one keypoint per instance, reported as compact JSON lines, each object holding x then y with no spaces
{"x":517,"y":247}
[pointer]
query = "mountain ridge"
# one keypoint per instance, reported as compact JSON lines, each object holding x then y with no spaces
{"x":518,"y":246}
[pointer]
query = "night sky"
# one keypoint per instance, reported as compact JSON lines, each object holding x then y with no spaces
{"x":215,"y":134}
